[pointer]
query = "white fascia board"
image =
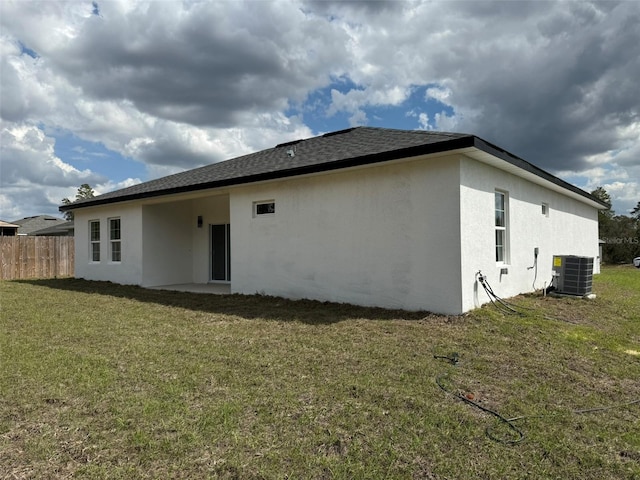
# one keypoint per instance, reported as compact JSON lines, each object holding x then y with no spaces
{"x":496,"y":162}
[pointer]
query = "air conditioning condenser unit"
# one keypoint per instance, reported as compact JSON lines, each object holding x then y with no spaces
{"x":573,"y":275}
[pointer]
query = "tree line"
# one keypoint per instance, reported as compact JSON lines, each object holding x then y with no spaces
{"x":620,"y":233}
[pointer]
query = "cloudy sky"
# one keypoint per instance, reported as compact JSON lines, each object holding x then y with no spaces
{"x":112,"y":93}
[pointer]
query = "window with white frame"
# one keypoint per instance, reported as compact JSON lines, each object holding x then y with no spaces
{"x":502,"y":226}
{"x":545,"y":209}
{"x":115,"y":244}
{"x":264,"y":208}
{"x":94,"y":240}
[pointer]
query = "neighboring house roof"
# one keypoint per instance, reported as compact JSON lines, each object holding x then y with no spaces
{"x":336,"y":150}
{"x":59,"y":229}
{"x":7,"y":228}
{"x":7,"y":224}
{"x":28,"y":225}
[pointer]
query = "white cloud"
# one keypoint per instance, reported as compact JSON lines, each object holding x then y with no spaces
{"x":9,"y":210}
{"x":446,"y":123}
{"x":110,"y":186}
{"x":423,"y":120}
{"x":32,"y":174}
{"x":440,"y":94}
{"x":553,"y":82}
{"x":355,"y":100}
{"x":625,"y":194}
{"x":66,"y":88}
{"x":359,"y":117}
{"x":28,"y":154}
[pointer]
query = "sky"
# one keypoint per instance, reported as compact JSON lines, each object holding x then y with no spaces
{"x":113,"y":93}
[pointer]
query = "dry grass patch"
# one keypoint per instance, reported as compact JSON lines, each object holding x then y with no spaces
{"x":105,"y":381}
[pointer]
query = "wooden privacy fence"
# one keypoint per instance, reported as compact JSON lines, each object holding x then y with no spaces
{"x":36,"y":257}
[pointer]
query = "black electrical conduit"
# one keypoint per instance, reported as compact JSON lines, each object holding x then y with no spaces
{"x":506,"y":307}
{"x":509,"y":309}
{"x":519,"y":434}
{"x":502,"y":305}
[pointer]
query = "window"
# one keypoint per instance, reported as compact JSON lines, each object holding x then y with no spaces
{"x":94,"y":240}
{"x":114,"y":239}
{"x":264,"y":208}
{"x":545,"y":209}
{"x":502,"y":222}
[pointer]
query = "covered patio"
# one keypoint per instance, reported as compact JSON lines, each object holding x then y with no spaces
{"x":212,"y":288}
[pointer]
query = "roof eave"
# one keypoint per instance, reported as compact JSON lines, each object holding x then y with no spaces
{"x":468,"y":141}
{"x":439,"y":147}
{"x":538,"y":172}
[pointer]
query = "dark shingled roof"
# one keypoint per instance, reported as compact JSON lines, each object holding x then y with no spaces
{"x":59,"y":229}
{"x":29,"y":225}
{"x":332,"y":151}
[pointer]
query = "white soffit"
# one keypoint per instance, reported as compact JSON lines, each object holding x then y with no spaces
{"x":496,"y":162}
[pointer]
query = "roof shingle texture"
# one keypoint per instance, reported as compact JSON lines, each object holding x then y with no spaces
{"x":325,"y":150}
{"x":29,"y":225}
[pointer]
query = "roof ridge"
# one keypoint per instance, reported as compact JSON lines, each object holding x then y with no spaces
{"x":421,"y":131}
{"x":355,"y":146}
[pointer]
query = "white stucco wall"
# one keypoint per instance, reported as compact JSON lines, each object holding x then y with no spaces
{"x":571,"y":228}
{"x":214,"y":210}
{"x":382,"y":236}
{"x":407,"y":234}
{"x":129,"y":269}
{"x":167,"y":243}
{"x":161,"y":242}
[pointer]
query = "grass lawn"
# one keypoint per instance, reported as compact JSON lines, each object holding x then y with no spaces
{"x":105,"y":381}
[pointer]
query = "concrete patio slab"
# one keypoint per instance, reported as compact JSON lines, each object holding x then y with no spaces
{"x":211,"y":288}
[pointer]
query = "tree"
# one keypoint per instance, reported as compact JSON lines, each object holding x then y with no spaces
{"x":605,"y":217}
{"x":601,"y":194}
{"x":620,"y":233}
{"x":636,"y":212}
{"x":84,"y":191}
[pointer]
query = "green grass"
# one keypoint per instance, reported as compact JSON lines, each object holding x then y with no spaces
{"x":105,"y":381}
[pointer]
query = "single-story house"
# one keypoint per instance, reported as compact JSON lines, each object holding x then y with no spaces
{"x":31,"y":225}
{"x":367,"y":216}
{"x":8,"y":229}
{"x":64,"y":229}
